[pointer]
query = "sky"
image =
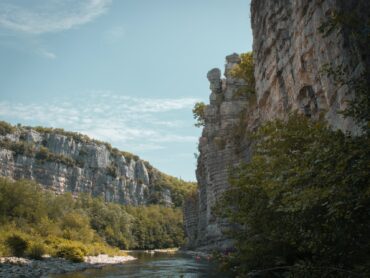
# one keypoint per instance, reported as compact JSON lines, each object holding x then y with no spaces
{"x":127,"y":72}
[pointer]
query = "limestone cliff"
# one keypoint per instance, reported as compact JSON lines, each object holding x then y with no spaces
{"x":222,"y":146}
{"x":70,"y":162}
{"x":289,"y":54}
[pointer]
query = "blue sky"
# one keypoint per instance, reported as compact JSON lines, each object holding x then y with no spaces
{"x":124,"y":71}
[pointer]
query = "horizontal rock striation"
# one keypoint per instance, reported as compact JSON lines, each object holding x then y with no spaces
{"x":221,"y":147}
{"x":69,"y":162}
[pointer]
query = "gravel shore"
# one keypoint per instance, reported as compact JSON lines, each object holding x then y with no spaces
{"x":13,"y":267}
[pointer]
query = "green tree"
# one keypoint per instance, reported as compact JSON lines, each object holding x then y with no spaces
{"x":199,"y":114}
{"x":301,"y":204}
{"x":245,"y":70}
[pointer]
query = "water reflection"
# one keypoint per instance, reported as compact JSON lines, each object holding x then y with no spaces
{"x":154,"y":265}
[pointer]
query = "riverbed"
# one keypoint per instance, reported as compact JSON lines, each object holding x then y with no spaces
{"x":154,"y":265}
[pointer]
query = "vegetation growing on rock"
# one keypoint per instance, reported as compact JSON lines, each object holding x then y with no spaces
{"x":6,"y":128}
{"x":245,"y":70}
{"x":198,"y":114}
{"x":301,"y":204}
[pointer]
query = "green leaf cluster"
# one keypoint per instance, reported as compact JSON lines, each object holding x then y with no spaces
{"x":302,"y":204}
{"x":199,"y":114}
{"x":179,"y":189}
{"x":245,"y":70}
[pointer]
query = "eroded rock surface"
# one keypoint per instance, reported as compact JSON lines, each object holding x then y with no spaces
{"x":289,"y":55}
{"x":221,"y":147}
{"x":76,"y":164}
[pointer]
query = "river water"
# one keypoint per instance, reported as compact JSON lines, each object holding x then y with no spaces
{"x":154,"y":265}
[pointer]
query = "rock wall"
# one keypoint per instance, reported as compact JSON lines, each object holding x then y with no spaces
{"x":221,"y":147}
{"x":75,"y":163}
{"x":289,"y":53}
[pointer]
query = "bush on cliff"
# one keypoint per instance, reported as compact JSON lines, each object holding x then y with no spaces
{"x":245,"y":70}
{"x":199,"y":114}
{"x":6,"y":128}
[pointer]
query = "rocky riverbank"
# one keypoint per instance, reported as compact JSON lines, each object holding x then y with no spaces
{"x":13,"y":267}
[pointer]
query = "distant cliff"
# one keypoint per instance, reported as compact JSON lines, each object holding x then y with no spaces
{"x":70,"y":162}
{"x":290,"y":52}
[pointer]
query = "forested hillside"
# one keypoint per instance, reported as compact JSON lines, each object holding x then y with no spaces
{"x":48,"y":223}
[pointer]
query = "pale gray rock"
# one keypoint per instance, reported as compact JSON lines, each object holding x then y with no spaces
{"x":94,"y":169}
{"x":290,"y":52}
{"x":214,"y":77}
{"x":219,"y":150}
{"x":141,"y":173}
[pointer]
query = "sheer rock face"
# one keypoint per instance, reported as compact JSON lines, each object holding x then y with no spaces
{"x":221,"y":147}
{"x":129,"y":183}
{"x":289,"y":52}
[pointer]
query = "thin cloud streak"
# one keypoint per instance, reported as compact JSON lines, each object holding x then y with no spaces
{"x":136,"y":123}
{"x":50,"y":16}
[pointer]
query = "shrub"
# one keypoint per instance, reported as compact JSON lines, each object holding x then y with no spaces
{"x":42,"y":154}
{"x":302,"y":202}
{"x":245,"y":69}
{"x":22,"y":148}
{"x":112,"y":170}
{"x":36,"y":250}
{"x":6,"y":128}
{"x":17,"y":245}
{"x":199,"y":114}
{"x":71,"y":252}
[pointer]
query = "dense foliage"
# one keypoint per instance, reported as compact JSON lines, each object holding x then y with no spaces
{"x":179,"y":189}
{"x":245,"y":70}
{"x":199,"y":114}
{"x":68,"y":227}
{"x":6,"y":128}
{"x":302,"y":204}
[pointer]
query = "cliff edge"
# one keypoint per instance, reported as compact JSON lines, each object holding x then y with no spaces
{"x":290,"y":51}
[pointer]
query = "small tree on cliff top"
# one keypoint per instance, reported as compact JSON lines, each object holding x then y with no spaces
{"x":245,"y":70}
{"x":199,"y":114}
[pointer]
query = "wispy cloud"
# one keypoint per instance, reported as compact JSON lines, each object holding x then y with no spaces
{"x":136,"y":124}
{"x":50,"y":15}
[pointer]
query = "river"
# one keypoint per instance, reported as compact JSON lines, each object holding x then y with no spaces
{"x":154,"y":265}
